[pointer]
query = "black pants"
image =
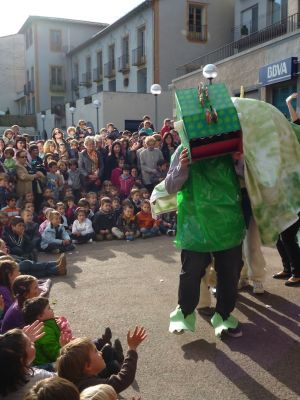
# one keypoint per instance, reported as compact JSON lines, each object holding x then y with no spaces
{"x":228,"y":265}
{"x":288,"y":248}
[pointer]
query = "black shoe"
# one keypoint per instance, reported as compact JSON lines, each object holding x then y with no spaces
{"x":107,"y":335}
{"x":119,"y":351}
{"x":282,"y":275}
{"x":293,"y":281}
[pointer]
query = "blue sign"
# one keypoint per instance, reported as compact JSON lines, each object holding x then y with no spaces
{"x":279,"y":71}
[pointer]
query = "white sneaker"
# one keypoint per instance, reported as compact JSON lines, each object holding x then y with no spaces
{"x":91,"y":241}
{"x":243,"y":282}
{"x":258,"y":287}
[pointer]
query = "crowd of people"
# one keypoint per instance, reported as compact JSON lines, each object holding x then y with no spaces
{"x":70,"y":190}
{"x":56,"y":194}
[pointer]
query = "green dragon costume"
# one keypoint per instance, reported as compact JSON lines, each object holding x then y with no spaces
{"x":210,"y":217}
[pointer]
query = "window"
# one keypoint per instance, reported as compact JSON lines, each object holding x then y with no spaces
{"x":55,"y":40}
{"x":249,"y":20}
{"x":197,"y":22}
{"x":88,"y":69}
{"x":57,"y":105}
{"x":125,"y":49}
{"x":111,"y":56}
{"x":141,"y":39}
{"x":100,"y":63}
{"x":56,"y":75}
{"x":279,"y":10}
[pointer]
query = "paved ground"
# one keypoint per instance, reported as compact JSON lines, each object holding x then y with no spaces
{"x":120,"y":284}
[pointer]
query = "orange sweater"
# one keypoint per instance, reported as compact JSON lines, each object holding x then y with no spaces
{"x":145,"y":220}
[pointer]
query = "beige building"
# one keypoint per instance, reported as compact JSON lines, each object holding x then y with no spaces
{"x":12,"y":69}
{"x":264,"y":56}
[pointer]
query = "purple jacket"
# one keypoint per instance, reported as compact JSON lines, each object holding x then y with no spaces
{"x":8,"y":300}
{"x":13,"y":318}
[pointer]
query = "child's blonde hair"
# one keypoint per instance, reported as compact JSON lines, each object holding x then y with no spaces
{"x":52,"y":214}
{"x":99,"y":392}
{"x":73,"y":358}
{"x":52,"y":389}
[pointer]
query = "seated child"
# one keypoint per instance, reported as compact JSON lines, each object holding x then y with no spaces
{"x":46,"y":215}
{"x":148,"y":226}
{"x":82,"y":229}
{"x":53,"y":389}
{"x":145,"y":195}
{"x":55,"y":239}
{"x":60,"y":207}
{"x":70,"y":209}
{"x":86,"y":205}
{"x":31,"y":228}
{"x":116,"y":207}
{"x":10,"y":162}
{"x":10,"y":209}
{"x":100,"y":392}
{"x":117,"y":172}
{"x":104,"y":220}
{"x":135,"y":198}
{"x":168,"y":223}
{"x":126,"y":182}
{"x":17,"y":241}
{"x":9,"y":270}
{"x":93,"y":202}
{"x":23,"y":287}
{"x":58,"y":333}
{"x":127,"y":227}
{"x":74,"y":178}
{"x":81,"y":363}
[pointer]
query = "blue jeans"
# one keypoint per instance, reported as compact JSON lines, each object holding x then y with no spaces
{"x":38,"y":269}
{"x":149,"y":232}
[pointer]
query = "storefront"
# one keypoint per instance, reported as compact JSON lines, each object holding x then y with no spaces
{"x":280,"y":80}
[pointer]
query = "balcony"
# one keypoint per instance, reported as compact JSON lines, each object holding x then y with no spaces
{"x":287,"y":25}
{"x":199,"y":36}
{"x":109,"y":70}
{"x":56,"y":86}
{"x":97,"y":75}
{"x":86,"y":79}
{"x":123,"y":63}
{"x":138,"y":56}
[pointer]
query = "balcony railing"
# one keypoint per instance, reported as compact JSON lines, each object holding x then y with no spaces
{"x":123,"y":63}
{"x":109,"y":70}
{"x":287,"y":25}
{"x":57,"y":86}
{"x":198,"y":36}
{"x":86,"y":79}
{"x":138,"y":56}
{"x":97,"y":74}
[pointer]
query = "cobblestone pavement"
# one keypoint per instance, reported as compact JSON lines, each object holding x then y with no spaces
{"x":121,"y":284}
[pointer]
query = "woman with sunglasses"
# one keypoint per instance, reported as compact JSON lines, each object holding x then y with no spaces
{"x":24,"y":178}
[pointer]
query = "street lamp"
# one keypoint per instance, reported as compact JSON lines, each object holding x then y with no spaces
{"x":156,"y":90}
{"x":97,"y":104}
{"x":43,"y":116}
{"x":210,"y":72}
{"x":72,"y":111}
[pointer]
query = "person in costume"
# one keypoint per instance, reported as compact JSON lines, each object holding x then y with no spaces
{"x":197,"y":255}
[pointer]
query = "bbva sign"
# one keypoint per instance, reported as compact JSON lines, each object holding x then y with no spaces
{"x":277,"y":72}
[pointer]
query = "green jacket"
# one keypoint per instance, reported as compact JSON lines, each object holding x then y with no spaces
{"x":48,"y":347}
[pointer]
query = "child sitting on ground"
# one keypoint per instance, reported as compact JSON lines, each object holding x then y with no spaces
{"x":56,"y":336}
{"x":60,"y":207}
{"x":100,"y":392}
{"x":126,"y":227}
{"x":23,"y":287}
{"x":80,"y":363}
{"x":86,"y":205}
{"x":55,"y":239}
{"x":16,"y":355}
{"x":70,"y":209}
{"x":10,"y":209}
{"x":104,"y":220}
{"x":126,"y":182}
{"x":93,"y":202}
{"x":82,"y":229}
{"x":116,"y":207}
{"x":148,"y":226}
{"x":17,"y":241}
{"x":117,"y":172}
{"x":54,"y":388}
{"x":135,"y":198}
